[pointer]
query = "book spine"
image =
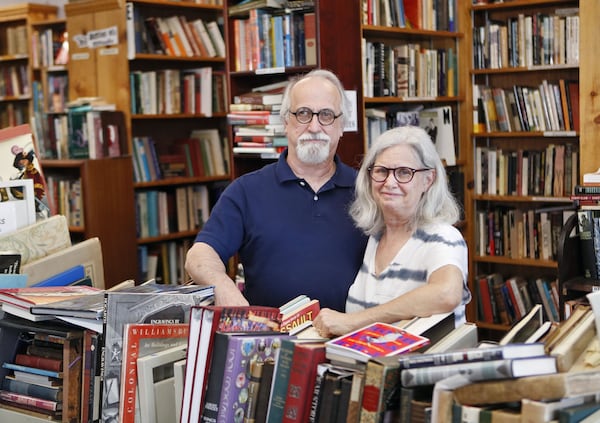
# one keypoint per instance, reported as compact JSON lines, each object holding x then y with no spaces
{"x":33,"y":370}
{"x":379,"y":382}
{"x":210,"y":410}
{"x":302,"y":380}
{"x":280,"y":382}
{"x":29,"y":401}
{"x":30,"y":389}
{"x":39,"y":362}
{"x":302,"y":316}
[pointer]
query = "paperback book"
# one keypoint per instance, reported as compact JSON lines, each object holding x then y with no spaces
{"x":374,"y":340}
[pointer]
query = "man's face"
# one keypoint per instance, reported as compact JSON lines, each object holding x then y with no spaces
{"x":313,"y":142}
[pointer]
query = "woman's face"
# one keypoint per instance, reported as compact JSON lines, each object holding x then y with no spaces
{"x":399,"y":201}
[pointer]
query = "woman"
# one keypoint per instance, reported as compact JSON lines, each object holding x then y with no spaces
{"x":415,"y":263}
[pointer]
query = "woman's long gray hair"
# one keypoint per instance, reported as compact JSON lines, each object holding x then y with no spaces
{"x":437,"y":205}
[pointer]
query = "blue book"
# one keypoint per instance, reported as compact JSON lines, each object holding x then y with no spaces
{"x":34,"y":370}
{"x":64,"y":278}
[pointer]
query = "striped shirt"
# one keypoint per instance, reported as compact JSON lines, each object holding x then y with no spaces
{"x":427,"y":250}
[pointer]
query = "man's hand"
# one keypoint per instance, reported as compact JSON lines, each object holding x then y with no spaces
{"x":228,"y":294}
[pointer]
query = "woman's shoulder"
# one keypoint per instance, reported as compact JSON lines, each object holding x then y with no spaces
{"x":444,"y":230}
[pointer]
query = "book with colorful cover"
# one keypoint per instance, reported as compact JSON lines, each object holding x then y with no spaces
{"x":140,"y":340}
{"x":204,"y":323}
{"x":375,"y":340}
{"x":299,"y":314}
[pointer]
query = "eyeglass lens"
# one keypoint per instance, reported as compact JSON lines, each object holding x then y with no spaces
{"x":305,"y":115}
{"x":401,"y":174}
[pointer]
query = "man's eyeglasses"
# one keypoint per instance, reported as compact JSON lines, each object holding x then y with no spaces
{"x":326,"y":117}
{"x":402,"y":174}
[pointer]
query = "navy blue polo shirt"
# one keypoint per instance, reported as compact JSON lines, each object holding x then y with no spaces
{"x":291,"y":240}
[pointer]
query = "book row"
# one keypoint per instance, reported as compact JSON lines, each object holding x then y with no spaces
{"x":13,"y":114}
{"x":49,"y":47}
{"x":203,"y":154}
{"x":505,"y":300}
{"x":164,"y":262}
{"x":408,"y":70}
{"x":172,"y":35}
{"x":198,"y":91}
{"x":14,"y":81}
{"x":180,"y":209}
{"x":528,"y":40}
{"x":520,"y":233}
{"x":66,"y":197}
{"x":16,"y":41}
{"x":552,"y":171}
{"x":274,"y":40}
{"x":434,"y":15}
{"x":551,"y":106}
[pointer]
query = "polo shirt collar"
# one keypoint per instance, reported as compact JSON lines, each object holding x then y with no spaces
{"x":344,"y":176}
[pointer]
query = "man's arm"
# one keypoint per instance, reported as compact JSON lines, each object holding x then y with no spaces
{"x":205,"y":267}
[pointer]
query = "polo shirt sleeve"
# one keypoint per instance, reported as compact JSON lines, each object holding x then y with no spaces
{"x":224,"y":229}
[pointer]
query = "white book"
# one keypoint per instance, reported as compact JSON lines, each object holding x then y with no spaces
{"x":202,"y":31}
{"x":217,"y":38}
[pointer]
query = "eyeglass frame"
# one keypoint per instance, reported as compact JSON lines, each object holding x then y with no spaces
{"x":317,"y":113}
{"x":393,"y":171}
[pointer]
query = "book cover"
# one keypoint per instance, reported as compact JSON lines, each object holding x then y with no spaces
{"x":481,"y":370}
{"x":205,"y":322}
{"x":281,"y":377}
{"x":30,"y":296}
{"x":242,"y":351}
{"x":300,"y":315}
{"x":19,"y":160}
{"x":66,"y":277}
{"x":35,"y":241}
{"x":375,"y":340}
{"x":158,"y":304}
{"x":31,"y":401}
{"x":438,"y":123}
{"x":306,"y":358}
{"x":140,"y":340}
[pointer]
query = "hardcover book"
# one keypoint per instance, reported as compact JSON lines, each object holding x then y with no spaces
{"x":141,"y":340}
{"x":31,"y":296}
{"x":152,"y":303}
{"x":374,"y":340}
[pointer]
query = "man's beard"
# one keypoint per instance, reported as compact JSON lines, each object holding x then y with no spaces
{"x":313,"y":152}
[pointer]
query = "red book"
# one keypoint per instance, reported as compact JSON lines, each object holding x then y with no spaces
{"x":303,"y":373}
{"x":39,"y":362}
{"x":485,"y":299}
{"x":413,"y":10}
{"x":303,"y":314}
{"x":204,"y":322}
{"x":26,"y":400}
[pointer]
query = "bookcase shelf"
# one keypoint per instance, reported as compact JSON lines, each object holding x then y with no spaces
{"x":490,"y":210}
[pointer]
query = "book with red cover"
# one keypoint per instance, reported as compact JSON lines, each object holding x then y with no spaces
{"x":242,"y":350}
{"x":485,"y":299}
{"x":303,"y":373}
{"x":296,"y":317}
{"x":39,"y":362}
{"x":375,"y":340}
{"x":29,"y":401}
{"x":140,"y":340}
{"x":204,"y":322}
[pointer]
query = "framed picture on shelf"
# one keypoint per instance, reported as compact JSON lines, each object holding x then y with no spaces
{"x":17,"y":205}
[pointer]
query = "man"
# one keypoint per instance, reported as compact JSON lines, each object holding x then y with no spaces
{"x":289,"y":220}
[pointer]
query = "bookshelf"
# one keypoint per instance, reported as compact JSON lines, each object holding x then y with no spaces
{"x":159,"y":119}
{"x":518,"y":214}
{"x":331,"y":18}
{"x":16,"y":28}
{"x":105,"y":198}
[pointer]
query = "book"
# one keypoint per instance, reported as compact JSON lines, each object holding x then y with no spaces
{"x":262,"y":397}
{"x":524,"y":327}
{"x":461,"y":337}
{"x":31,"y":389}
{"x":281,"y":377}
{"x":438,"y":123}
{"x":303,"y":372}
{"x":150,"y":303}
{"x":35,"y":241}
{"x":481,"y":370}
{"x":242,"y":351}
{"x":87,"y":253}
{"x":23,"y":313}
{"x":204,"y":323}
{"x":299,"y":314}
{"x":374,"y":340}
{"x":31,"y":296}
{"x":33,"y":370}
{"x":589,"y":259}
{"x":31,"y":401}
{"x":46,"y":363}
{"x":155,"y":380}
{"x":381,"y":393}
{"x":547,"y":387}
{"x":140,"y":340}
{"x":66,"y":277}
{"x":576,"y":413}
{"x":473,"y":354}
